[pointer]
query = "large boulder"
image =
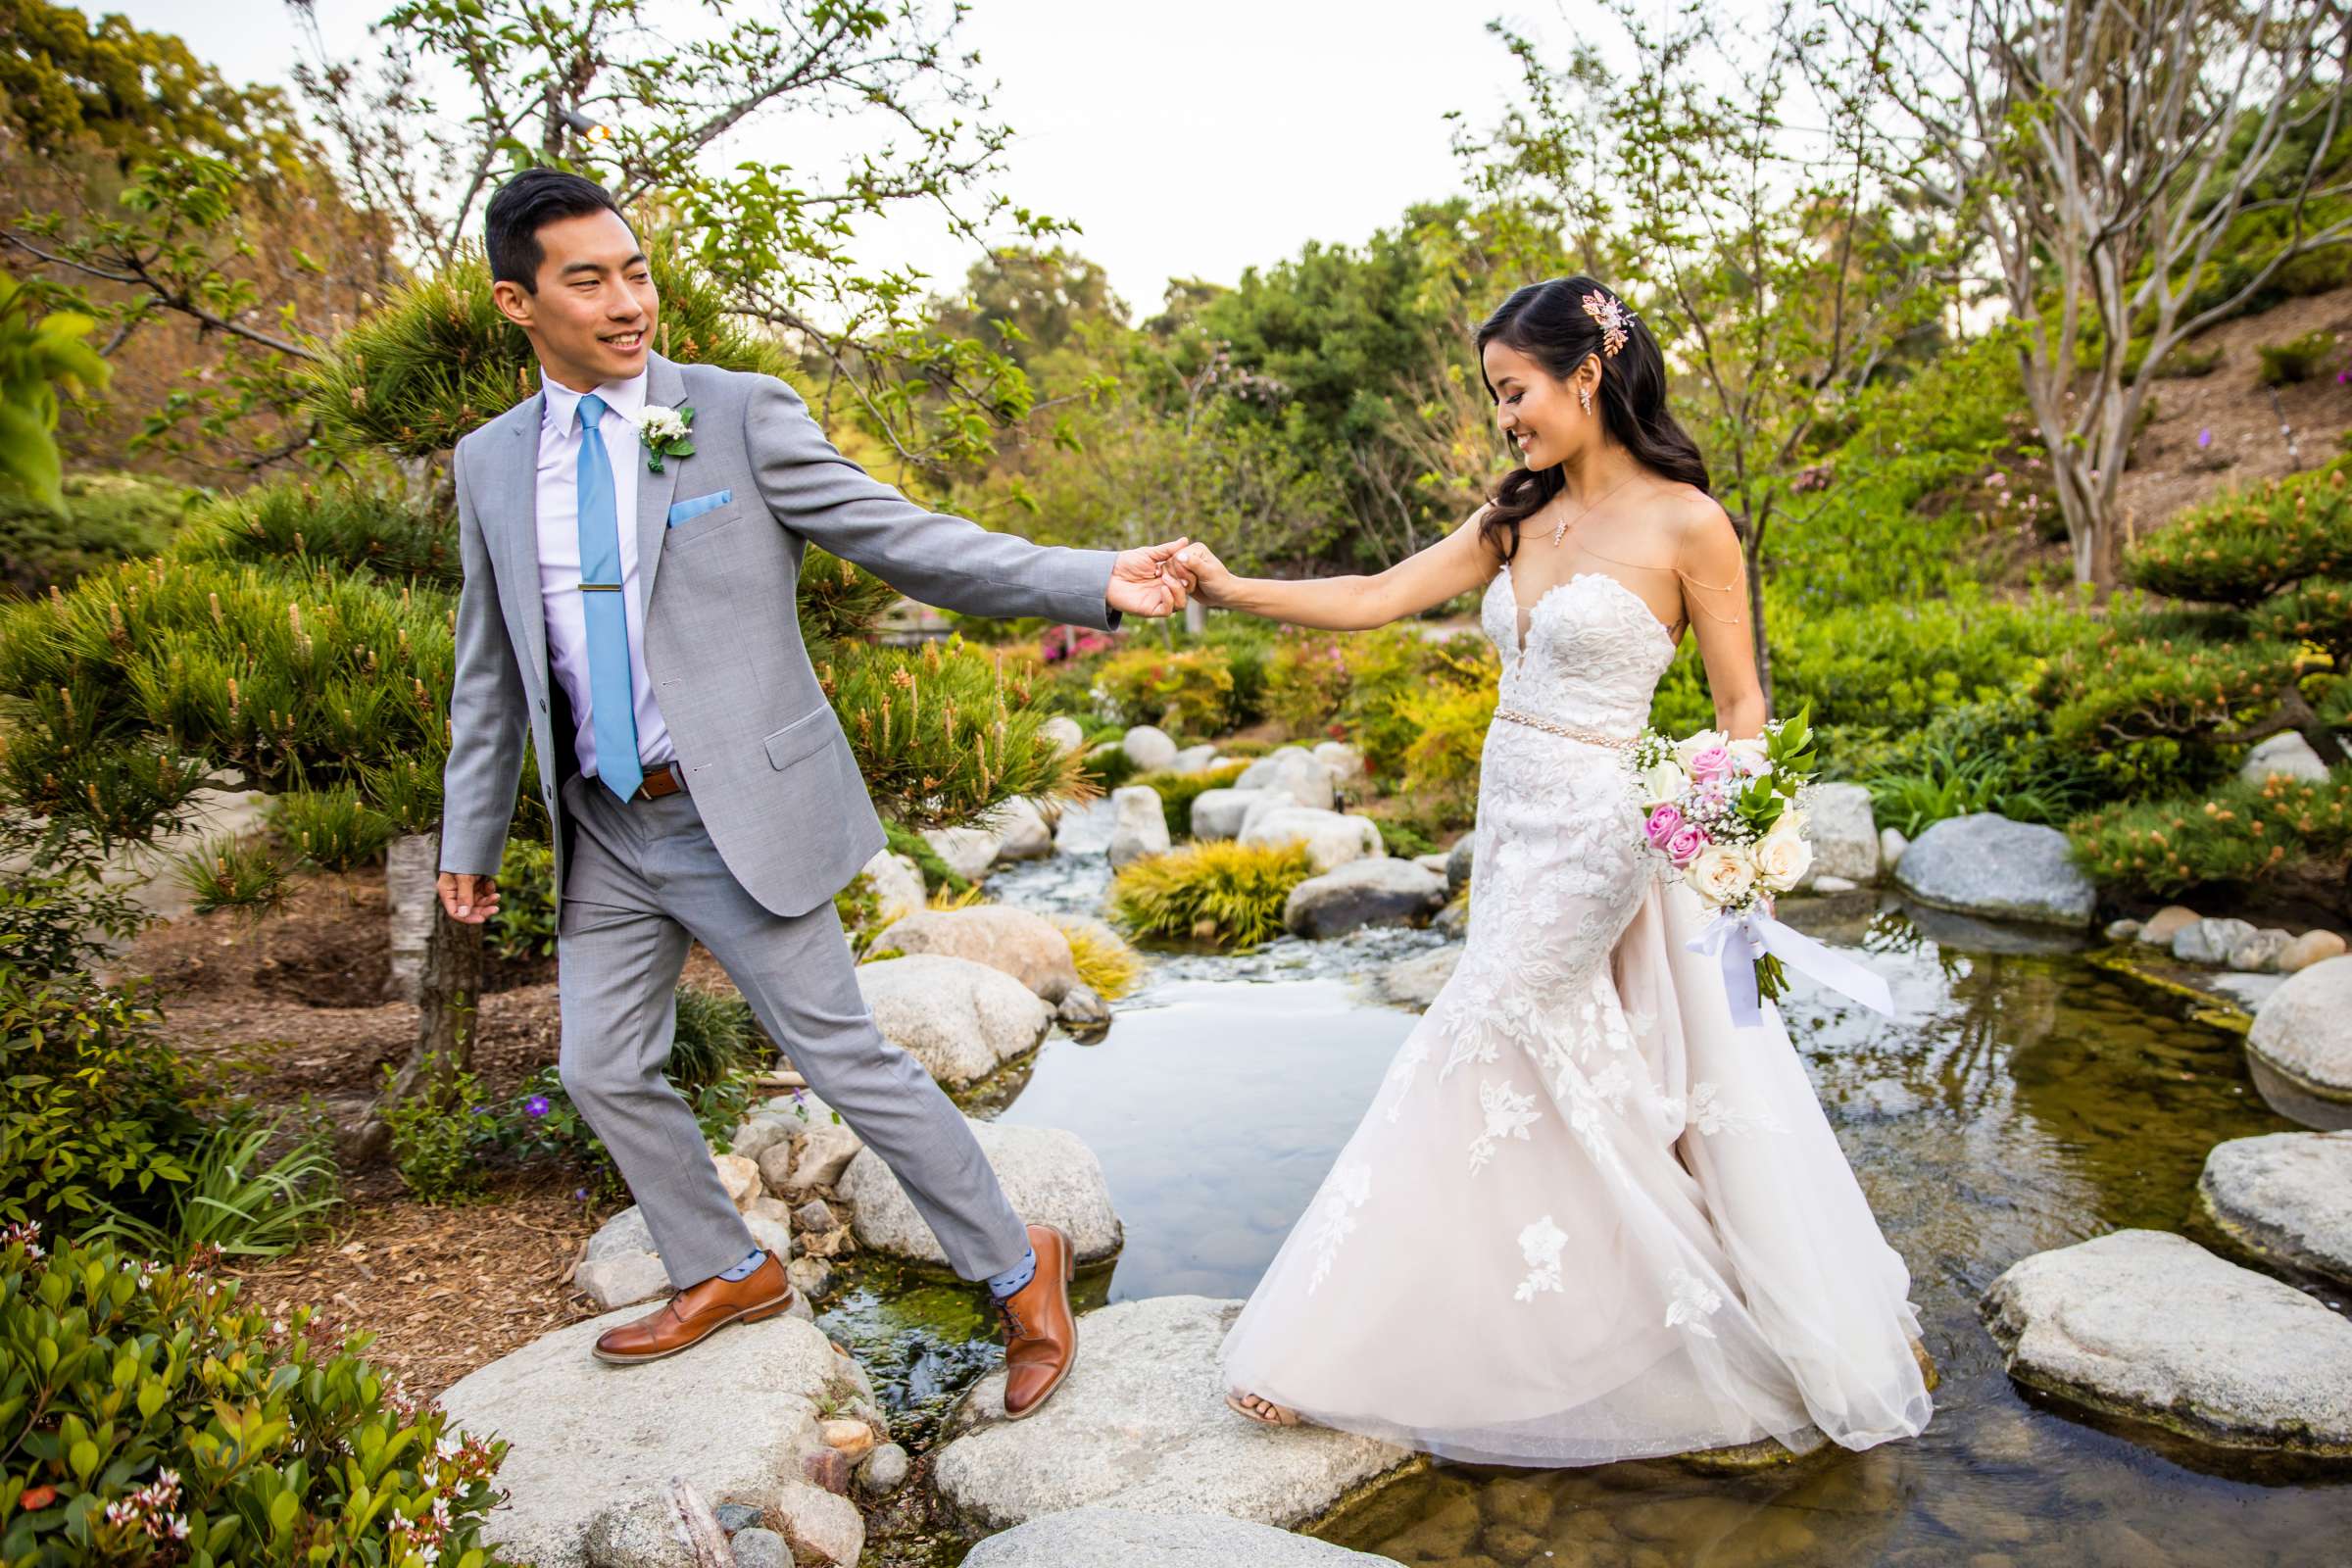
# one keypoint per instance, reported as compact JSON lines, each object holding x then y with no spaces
{"x":2288,"y":754}
{"x":1141,"y":1424}
{"x":1025,"y":946}
{"x":897,"y":881}
{"x":1022,"y":831}
{"x":2209,"y":941}
{"x":1194,"y":759}
{"x":1987,"y":866}
{"x":1049,"y":1175}
{"x":1457,"y":864}
{"x":961,"y":1021}
{"x":592,"y":1448}
{"x":1149,"y":748}
{"x":2315,"y":946}
{"x":2286,"y":1197}
{"x":1064,"y":732}
{"x":1416,"y":981}
{"x":1116,"y":1537}
{"x":1842,"y":827}
{"x":1289,"y":771}
{"x":1139,"y":826}
{"x":1361,"y":892}
{"x":2150,"y":1326}
{"x":1345,"y":763}
{"x":2304,"y":1032}
{"x":1332,"y":840}
{"x":967,"y":851}
{"x":1221,"y":814}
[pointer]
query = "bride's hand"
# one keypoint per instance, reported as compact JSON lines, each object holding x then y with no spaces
{"x":1213,"y":584}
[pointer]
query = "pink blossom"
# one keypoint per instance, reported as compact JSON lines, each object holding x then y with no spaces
{"x":1713,"y":762}
{"x":1682,"y":847}
{"x":1662,"y":824}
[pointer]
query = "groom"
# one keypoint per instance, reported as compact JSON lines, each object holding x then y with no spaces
{"x":629,"y":602}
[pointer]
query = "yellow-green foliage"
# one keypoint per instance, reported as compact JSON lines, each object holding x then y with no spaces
{"x":1449,"y":725}
{"x":1306,"y":680}
{"x":1224,"y":893}
{"x":1107,"y":965}
{"x":1177,"y":791}
{"x":1362,"y":683}
{"x":1186,"y":694}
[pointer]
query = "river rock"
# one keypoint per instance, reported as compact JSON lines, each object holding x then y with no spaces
{"x":1141,"y":1424}
{"x":1149,"y":748}
{"x":759,"y":1547}
{"x":1289,"y":771}
{"x":1081,"y":1012}
{"x":1022,"y":831}
{"x":2309,"y":948}
{"x":1193,"y":760}
{"x":592,"y":1448}
{"x":622,"y":1279}
{"x":2304,"y":1031}
{"x":961,"y":1021}
{"x":739,"y":1176}
{"x":2260,"y":953}
{"x":1332,"y":840}
{"x":2159,"y":929}
{"x":1139,"y":826}
{"x":824,"y":1154}
{"x":1025,"y":946}
{"x":1841,"y":827}
{"x":1066,"y":732}
{"x":1361,"y":892}
{"x":1119,"y":1537}
{"x":897,"y":883}
{"x":1050,"y":1176}
{"x":2288,"y":754}
{"x":1986,"y":865}
{"x":1220,"y":813}
{"x":2122,"y":930}
{"x":1892,"y":842}
{"x":967,"y":851}
{"x":625,"y":1232}
{"x":819,"y":1526}
{"x":2149,"y":1324}
{"x":1416,"y":981}
{"x":2209,"y":941}
{"x":1345,"y":763}
{"x":1454,"y":921}
{"x":883,"y":1471}
{"x":2286,"y":1197}
{"x":1457,"y":865}
{"x":1832,"y":884}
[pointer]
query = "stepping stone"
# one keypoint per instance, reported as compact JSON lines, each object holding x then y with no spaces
{"x":1049,"y":1177}
{"x":1116,"y":1537}
{"x":2303,"y":1033}
{"x":2286,"y":1197}
{"x":961,"y":1021}
{"x":1989,"y":865}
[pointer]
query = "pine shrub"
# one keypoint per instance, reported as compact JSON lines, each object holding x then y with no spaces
{"x":1227,"y":894}
{"x":1178,"y":791}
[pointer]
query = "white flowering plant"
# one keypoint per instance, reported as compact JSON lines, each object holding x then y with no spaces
{"x":665,"y":434}
{"x":1724,"y":814}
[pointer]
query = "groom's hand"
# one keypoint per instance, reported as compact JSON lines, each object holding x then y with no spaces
{"x":1149,"y":581}
{"x":469,"y":899}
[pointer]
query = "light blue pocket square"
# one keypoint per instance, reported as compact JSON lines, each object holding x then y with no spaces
{"x":694,"y":506}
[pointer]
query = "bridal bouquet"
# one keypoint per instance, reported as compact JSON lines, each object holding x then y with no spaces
{"x":1724,"y":814}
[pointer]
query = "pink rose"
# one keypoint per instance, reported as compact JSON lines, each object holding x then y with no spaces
{"x":1662,"y":824}
{"x":1713,"y":762}
{"x":1684,"y":844}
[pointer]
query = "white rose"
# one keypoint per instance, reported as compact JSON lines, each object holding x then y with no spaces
{"x":1722,"y":874}
{"x":1660,"y":782}
{"x":1750,"y":756}
{"x":1691,"y":745}
{"x":657,"y":423}
{"x":1784,"y":857}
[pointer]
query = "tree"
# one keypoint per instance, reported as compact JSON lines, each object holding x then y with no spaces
{"x":38,"y":355}
{"x":2107,"y":159}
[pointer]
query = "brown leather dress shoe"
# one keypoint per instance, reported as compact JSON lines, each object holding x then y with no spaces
{"x":1041,"y":1338}
{"x":697,"y":1312}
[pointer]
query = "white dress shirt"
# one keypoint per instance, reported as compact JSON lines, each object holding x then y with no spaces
{"x":560,"y":556}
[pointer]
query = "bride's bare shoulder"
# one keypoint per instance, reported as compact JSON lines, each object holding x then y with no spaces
{"x":1701,"y":529}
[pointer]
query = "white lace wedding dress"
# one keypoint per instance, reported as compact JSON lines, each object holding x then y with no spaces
{"x":1586,"y":1217}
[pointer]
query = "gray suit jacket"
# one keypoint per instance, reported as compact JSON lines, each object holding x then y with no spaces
{"x":719,"y":537}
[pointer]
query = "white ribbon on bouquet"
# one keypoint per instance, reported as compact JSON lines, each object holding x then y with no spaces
{"x":1740,"y":939}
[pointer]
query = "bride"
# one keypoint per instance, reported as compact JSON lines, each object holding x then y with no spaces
{"x":1586,"y":1217}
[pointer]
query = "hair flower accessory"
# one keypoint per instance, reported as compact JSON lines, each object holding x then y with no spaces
{"x":1612,"y":318}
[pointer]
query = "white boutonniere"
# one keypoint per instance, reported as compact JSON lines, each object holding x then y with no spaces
{"x":665,"y":434}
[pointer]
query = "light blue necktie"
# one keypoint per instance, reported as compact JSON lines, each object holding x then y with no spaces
{"x":612,"y":697}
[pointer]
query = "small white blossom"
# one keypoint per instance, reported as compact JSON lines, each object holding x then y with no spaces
{"x":657,"y":423}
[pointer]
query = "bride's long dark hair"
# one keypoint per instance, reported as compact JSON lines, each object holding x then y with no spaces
{"x":1548,"y":324}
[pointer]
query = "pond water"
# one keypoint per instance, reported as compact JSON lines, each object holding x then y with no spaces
{"x":2023,"y":1098}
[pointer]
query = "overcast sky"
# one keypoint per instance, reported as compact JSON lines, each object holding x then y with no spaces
{"x":1187,"y":140}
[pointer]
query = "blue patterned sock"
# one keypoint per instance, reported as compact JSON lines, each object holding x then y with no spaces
{"x":1008,"y":1283}
{"x":743,"y":1270}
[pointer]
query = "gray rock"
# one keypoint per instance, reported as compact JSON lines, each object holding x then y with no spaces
{"x":812,"y":1277}
{"x":1221,"y":814}
{"x":1457,"y":864}
{"x":883,"y":1471}
{"x":1330,"y":839}
{"x":961,"y":1021}
{"x":2122,"y":930}
{"x":1118,"y":1538}
{"x":967,"y":851}
{"x":2149,"y":1324}
{"x":1141,"y":1424}
{"x":754,"y":1548}
{"x":622,"y":1279}
{"x":1416,"y":981}
{"x":1892,"y":842}
{"x":1345,"y":763}
{"x":1361,"y":892}
{"x":897,"y":882}
{"x":2304,"y":1031}
{"x":1050,"y":1176}
{"x":1987,"y":866}
{"x":1023,"y":945}
{"x":586,"y":1438}
{"x":1022,"y":831}
{"x":1148,"y":746}
{"x":2159,"y":929}
{"x":1139,"y":826}
{"x":825,"y":1152}
{"x":1454,"y":921}
{"x":637,"y":1532}
{"x":2288,"y":754}
{"x":2209,"y":941}
{"x":2261,"y":953}
{"x":1064,"y":732}
{"x":1832,"y":884}
{"x":1290,"y":771}
{"x":1433,"y":862}
{"x":734,"y":1516}
{"x":1843,"y":830}
{"x":772,"y":1234}
{"x":757,"y":1135}
{"x":819,"y":1526}
{"x":1081,"y":1012}
{"x":1193,"y":760}
{"x":2286,"y":1197}
{"x":775,"y":1167}
{"x":625,"y":1232}
{"x":814,"y":1216}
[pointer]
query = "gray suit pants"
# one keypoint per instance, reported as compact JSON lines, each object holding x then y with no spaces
{"x":644,"y":880}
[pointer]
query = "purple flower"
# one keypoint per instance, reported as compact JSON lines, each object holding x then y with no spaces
{"x":2204,"y":438}
{"x":535,"y":1107}
{"x":580,"y":1194}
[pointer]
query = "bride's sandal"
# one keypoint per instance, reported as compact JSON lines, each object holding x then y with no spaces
{"x":1265,"y":1413}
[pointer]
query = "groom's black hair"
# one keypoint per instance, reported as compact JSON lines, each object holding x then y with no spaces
{"x":528,"y":203}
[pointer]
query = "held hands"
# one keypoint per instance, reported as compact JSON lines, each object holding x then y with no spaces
{"x":468,"y":898}
{"x":1149,"y":581}
{"x":1211,"y":583}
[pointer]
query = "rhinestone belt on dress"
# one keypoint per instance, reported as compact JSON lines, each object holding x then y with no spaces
{"x":1591,"y":737}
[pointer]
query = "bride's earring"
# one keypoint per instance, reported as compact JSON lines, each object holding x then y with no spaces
{"x":1584,"y":395}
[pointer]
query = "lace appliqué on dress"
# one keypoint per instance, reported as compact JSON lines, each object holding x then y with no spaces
{"x":1541,"y":1244}
{"x":1509,"y":1114}
{"x":1334,"y":1216}
{"x":1694,"y":1301}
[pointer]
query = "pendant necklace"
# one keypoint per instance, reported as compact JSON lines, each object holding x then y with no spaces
{"x":1561,"y":532}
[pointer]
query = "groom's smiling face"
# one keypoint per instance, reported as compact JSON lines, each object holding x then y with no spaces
{"x":593,"y":310}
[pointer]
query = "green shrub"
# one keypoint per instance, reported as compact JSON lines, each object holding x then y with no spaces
{"x":2247,"y":546}
{"x":1249,"y":658}
{"x":335,"y":828}
{"x":715,"y":1038}
{"x":147,"y":1420}
{"x":1188,"y":693}
{"x":1177,"y":791}
{"x":438,"y":1135}
{"x":2317,"y":612}
{"x":1107,"y":765}
{"x":2184,"y":364}
{"x":238,"y":1202}
{"x":2296,"y":360}
{"x":1448,"y":724}
{"x":1224,"y":893}
{"x":1306,"y":680}
{"x":233,"y":873}
{"x":1405,"y":838}
{"x":2131,"y":682}
{"x":524,"y":927}
{"x":2244,"y":833}
{"x":109,"y":518}
{"x":916,"y":847}
{"x":364,"y":527}
{"x":1995,"y":756}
